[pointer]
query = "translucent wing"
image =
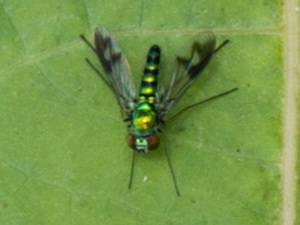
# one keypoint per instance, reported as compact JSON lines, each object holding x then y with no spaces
{"x":188,"y":70}
{"x":116,"y":68}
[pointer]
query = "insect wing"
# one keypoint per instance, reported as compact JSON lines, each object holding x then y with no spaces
{"x":187,"y":70}
{"x":116,"y":68}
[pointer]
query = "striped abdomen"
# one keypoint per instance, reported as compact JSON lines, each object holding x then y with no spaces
{"x":149,"y":78}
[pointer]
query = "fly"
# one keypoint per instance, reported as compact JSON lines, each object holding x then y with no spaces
{"x":145,"y":110}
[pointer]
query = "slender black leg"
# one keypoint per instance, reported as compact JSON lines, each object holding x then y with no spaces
{"x":172,"y":172}
{"x":203,"y":101}
{"x":131,"y":170}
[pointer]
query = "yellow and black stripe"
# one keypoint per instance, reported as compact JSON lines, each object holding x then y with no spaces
{"x":149,"y":78}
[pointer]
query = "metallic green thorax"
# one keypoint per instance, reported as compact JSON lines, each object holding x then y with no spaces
{"x":144,"y":116}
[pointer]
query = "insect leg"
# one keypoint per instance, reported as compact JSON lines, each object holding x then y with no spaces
{"x":131,"y":170}
{"x":88,"y":43}
{"x":172,"y":172}
{"x":221,"y":46}
{"x":203,"y":101}
{"x":97,"y":72}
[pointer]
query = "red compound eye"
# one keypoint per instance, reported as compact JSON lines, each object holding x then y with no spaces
{"x":153,"y":142}
{"x":131,"y":141}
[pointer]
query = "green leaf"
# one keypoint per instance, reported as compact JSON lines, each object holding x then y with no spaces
{"x":63,"y":152}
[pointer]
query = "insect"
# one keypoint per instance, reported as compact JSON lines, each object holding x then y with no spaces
{"x":145,"y":110}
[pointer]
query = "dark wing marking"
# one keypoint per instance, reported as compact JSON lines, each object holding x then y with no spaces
{"x":188,"y":70}
{"x":116,"y":68}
